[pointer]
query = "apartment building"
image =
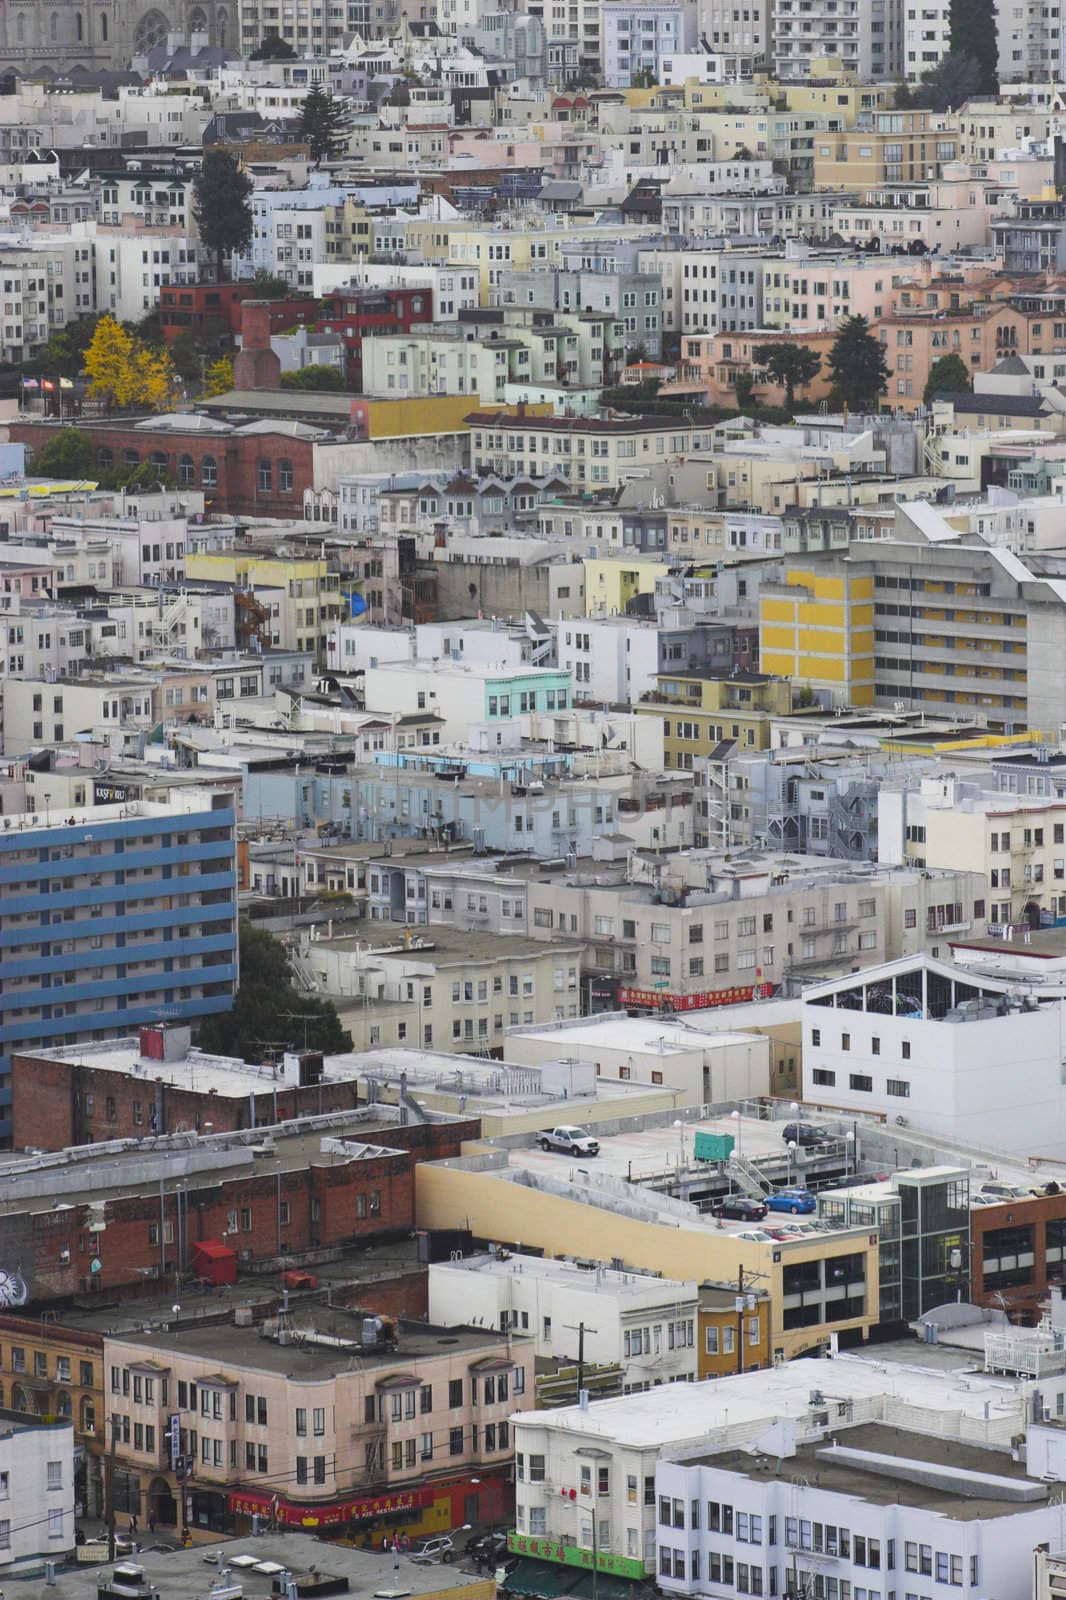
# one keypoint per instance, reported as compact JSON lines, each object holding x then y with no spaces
{"x":865,"y":36}
{"x":58,"y":1372}
{"x":36,"y":1494}
{"x":46,"y":284}
{"x":65,"y":871}
{"x":718,"y":930}
{"x":638,"y":34}
{"x":570,"y":1311}
{"x":884,"y":147}
{"x":448,"y":989}
{"x":589,"y":451}
{"x":112,"y":706}
{"x":737,"y":707}
{"x":350,"y":1415}
{"x":975,"y":1526}
{"x":979,"y":629}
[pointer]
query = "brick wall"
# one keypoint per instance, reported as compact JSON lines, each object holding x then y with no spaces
{"x":329,"y":1206}
{"x":236,"y":461}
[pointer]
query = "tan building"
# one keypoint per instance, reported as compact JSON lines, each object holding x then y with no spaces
{"x":590,"y":451}
{"x":890,"y":147}
{"x":320,"y":1419}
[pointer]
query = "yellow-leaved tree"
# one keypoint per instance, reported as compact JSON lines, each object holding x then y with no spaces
{"x":125,"y":372}
{"x":218,"y":378}
{"x":109,"y":363}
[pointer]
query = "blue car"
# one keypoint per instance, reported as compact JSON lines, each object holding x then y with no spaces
{"x":794,"y":1200}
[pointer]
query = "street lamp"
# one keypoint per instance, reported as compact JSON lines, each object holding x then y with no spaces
{"x":740,"y":1131}
{"x":791,"y":1147}
{"x":680,"y":1126}
{"x":849,"y":1152}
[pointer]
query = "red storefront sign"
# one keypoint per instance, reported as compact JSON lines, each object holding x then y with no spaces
{"x":656,"y":998}
{"x":289,"y":1514}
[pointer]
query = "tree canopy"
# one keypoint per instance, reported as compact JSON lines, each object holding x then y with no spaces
{"x":269,"y":287}
{"x":325,"y":125}
{"x":222,"y":206}
{"x":258,"y":1017}
{"x":790,"y":365}
{"x":948,"y":375}
{"x":273,"y":48}
{"x":314,"y":380}
{"x":218,"y":377}
{"x":123,"y":371}
{"x":67,"y":454}
{"x":954,"y":80}
{"x":857,"y":363}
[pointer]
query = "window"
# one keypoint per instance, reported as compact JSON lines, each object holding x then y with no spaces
{"x":862,"y":1082}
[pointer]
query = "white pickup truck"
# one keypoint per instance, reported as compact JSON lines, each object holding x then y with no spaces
{"x":570,"y":1141}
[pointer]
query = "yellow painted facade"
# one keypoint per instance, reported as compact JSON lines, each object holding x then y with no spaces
{"x":610,"y":585}
{"x":817,"y":628}
{"x":428,"y":414}
{"x":699,"y":712}
{"x":449,"y":1195}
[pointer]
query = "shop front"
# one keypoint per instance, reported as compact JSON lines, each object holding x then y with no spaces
{"x":419,"y":1511}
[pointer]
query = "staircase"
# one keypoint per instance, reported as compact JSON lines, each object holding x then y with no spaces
{"x":747,"y":1176}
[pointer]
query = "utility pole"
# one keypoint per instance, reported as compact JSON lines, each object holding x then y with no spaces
{"x":740,"y":1319}
{"x":579,"y":1329}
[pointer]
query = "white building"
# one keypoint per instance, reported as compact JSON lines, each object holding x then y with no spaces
{"x":788,"y":1406}
{"x":866,"y":36}
{"x":36,"y":1493}
{"x":860,"y":1509}
{"x":613,"y":659}
{"x":643,"y":1324}
{"x":637,"y":34}
{"x":454,"y":289}
{"x":920,"y":1042}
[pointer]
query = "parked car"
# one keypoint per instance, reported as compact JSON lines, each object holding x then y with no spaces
{"x":487,"y":1549}
{"x":804,"y":1133}
{"x":740,"y":1209}
{"x":571,"y":1141}
{"x":798,"y":1201}
{"x":439,"y":1548}
{"x":1006,"y":1191}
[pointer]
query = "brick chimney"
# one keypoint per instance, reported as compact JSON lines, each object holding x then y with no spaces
{"x":255,"y":366}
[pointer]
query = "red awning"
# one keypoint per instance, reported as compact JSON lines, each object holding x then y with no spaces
{"x":255,"y":1502}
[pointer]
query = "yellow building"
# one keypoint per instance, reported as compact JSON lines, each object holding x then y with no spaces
{"x":817,"y":628}
{"x":900,"y":147}
{"x":700,"y":710}
{"x":611,"y":584}
{"x":300,"y":593}
{"x":732,"y":1338}
{"x":491,"y":1205}
{"x":491,"y":248}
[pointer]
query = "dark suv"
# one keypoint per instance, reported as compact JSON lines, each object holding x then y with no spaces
{"x":805,"y":1133}
{"x":739,"y":1209}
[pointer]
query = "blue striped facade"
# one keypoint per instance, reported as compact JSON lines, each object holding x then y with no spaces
{"x":54,"y":889}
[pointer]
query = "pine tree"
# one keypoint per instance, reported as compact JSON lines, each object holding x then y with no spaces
{"x":974,"y":32}
{"x":948,"y":375}
{"x":222,"y":206}
{"x":324,"y":125}
{"x":857,"y":363}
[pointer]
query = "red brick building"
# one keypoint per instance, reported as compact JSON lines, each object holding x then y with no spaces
{"x":1018,"y":1250}
{"x":207,"y":310}
{"x":353,"y":313}
{"x":116,"y":1222}
{"x":241,"y":471}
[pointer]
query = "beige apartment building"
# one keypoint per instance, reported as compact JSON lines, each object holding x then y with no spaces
{"x":590,"y":451}
{"x":322,"y":1418}
{"x":716,"y":931}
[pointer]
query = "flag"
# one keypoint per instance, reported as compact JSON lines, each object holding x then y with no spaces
{"x":66,"y":383}
{"x":30,"y":383}
{"x":47,"y":383}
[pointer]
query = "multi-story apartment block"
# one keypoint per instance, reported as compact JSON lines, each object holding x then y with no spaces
{"x":335,"y":1416}
{"x":589,"y":451}
{"x":638,"y":34}
{"x":99,"y":878}
{"x":866,"y":36}
{"x":701,"y":709}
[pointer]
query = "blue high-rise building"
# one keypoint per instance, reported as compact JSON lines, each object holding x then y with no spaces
{"x":114,"y":916}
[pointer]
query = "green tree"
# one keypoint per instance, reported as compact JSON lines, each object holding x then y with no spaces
{"x":273,"y":48}
{"x":268,"y":287}
{"x":948,"y":375}
{"x":314,"y":380}
{"x":974,"y":32}
{"x":265,"y":994}
{"x":222,"y":206}
{"x":744,"y":389}
{"x":65,"y":351}
{"x":959,"y":77}
{"x":790,"y":365}
{"x":67,"y":454}
{"x":218,"y":377}
{"x":324,"y":125}
{"x":857,"y":363}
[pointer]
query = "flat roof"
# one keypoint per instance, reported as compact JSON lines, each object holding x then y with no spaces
{"x":305,"y":1359}
{"x":678,"y":1417}
{"x":599,"y":1280}
{"x":902,"y":1460}
{"x":645,"y":1034}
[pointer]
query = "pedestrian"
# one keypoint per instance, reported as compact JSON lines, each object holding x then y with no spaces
{"x":151,"y":1522}
{"x":395,"y":1555}
{"x":405,"y":1543}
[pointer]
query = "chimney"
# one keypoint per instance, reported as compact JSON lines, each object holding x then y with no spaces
{"x":255,"y":366}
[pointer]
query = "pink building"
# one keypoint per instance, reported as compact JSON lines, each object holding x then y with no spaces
{"x":321,"y":1417}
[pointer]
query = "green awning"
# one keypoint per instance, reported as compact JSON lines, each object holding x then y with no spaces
{"x":608,"y":1587}
{"x":543,"y":1578}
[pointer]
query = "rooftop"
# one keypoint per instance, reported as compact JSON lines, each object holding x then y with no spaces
{"x":324,"y":1342}
{"x":874,"y":1463}
{"x":636,"y":1286}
